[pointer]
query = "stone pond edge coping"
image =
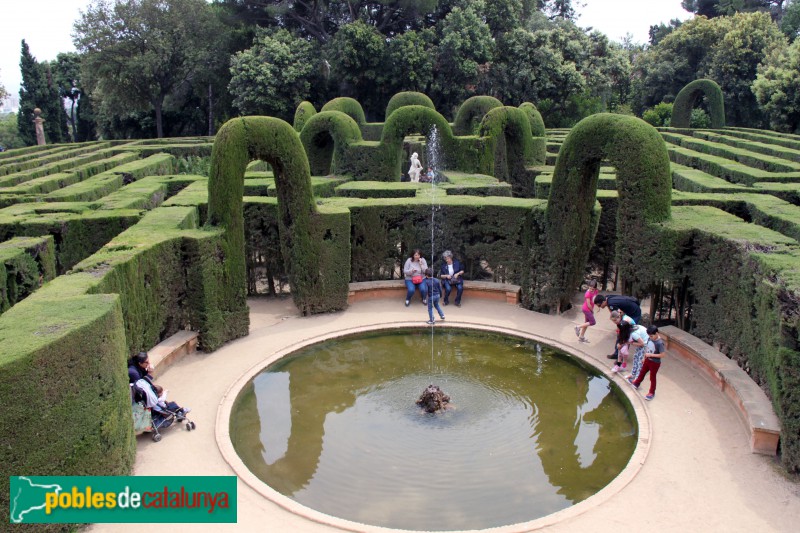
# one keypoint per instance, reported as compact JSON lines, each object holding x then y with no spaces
{"x":635,"y":463}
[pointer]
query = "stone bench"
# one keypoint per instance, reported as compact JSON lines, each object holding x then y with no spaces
{"x":751,"y":402}
{"x":396,"y":288}
{"x":172,"y":349}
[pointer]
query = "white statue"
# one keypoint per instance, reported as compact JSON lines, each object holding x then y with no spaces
{"x":416,"y":167}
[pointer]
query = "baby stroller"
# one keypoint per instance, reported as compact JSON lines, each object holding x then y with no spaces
{"x":149,"y":416}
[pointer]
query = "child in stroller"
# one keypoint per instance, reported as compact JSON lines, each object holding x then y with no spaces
{"x":151,"y":411}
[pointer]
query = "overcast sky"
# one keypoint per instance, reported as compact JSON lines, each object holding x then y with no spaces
{"x":46,"y":26}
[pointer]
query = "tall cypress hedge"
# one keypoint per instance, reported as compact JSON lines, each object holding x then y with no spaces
{"x":471,"y":112}
{"x":510,"y":132}
{"x":305,"y":110}
{"x":348,"y":106}
{"x":687,"y":98}
{"x":325,"y":139}
{"x":644,"y":186}
{"x":319,"y":281}
{"x":407,"y":98}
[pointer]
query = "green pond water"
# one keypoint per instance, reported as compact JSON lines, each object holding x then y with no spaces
{"x":336,"y":428}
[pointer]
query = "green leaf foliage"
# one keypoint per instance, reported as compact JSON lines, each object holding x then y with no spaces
{"x":777,"y":88}
{"x":407,"y":98}
{"x":271,"y":76}
{"x":305,"y":110}
{"x":688,"y":97}
{"x":639,"y":155}
{"x":313,"y":246}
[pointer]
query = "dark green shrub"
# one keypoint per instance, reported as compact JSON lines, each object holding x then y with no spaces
{"x":319,"y":282}
{"x":509,"y":129}
{"x":538,"y":153}
{"x":471,"y":113}
{"x":63,"y":359}
{"x":644,"y":186}
{"x":407,"y":98}
{"x":687,"y":98}
{"x":325,"y":139}
{"x":304,"y":111}
{"x":348,"y":106}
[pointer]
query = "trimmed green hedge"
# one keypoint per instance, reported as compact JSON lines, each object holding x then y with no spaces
{"x":325,"y":139}
{"x":639,"y":154}
{"x":305,"y":110}
{"x":687,"y":98}
{"x":509,"y":131}
{"x":538,"y":153}
{"x":743,"y":281}
{"x":471,"y":113}
{"x":407,"y":98}
{"x":309,"y":242}
{"x":25,"y":263}
{"x":66,"y":400}
{"x":349,"y":106}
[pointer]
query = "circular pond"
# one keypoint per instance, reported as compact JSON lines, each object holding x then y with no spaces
{"x":335,"y":427}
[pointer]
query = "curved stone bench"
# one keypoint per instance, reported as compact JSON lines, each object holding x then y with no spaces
{"x":396,"y":288}
{"x":751,"y":402}
{"x":171,"y":350}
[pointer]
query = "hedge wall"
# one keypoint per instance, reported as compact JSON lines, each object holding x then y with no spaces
{"x":743,"y":285}
{"x":687,"y":98}
{"x":317,"y":280}
{"x":325,"y":139}
{"x":348,"y":106}
{"x":509,"y":132}
{"x":66,"y":402}
{"x":471,"y":113}
{"x":407,"y":98}
{"x":643,"y":182}
{"x":538,"y":153}
{"x":305,"y":110}
{"x":25,"y":263}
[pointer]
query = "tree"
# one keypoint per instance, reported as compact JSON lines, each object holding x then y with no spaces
{"x":777,"y":88}
{"x":9,"y":134}
{"x":274,"y":75}
{"x":566,"y":72}
{"x":66,"y":75}
{"x":657,"y":33}
{"x":3,"y":93}
{"x":790,"y":23}
{"x":38,"y":90}
{"x":356,"y":55}
{"x":734,"y":64}
{"x":465,"y":48}
{"x":721,"y":8}
{"x":137,"y":53}
{"x":322,"y":19}
{"x":409,"y":62}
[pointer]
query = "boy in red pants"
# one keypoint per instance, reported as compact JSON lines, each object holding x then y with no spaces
{"x":652,"y":362}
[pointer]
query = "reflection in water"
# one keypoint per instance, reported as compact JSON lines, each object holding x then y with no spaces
{"x":531,"y":432}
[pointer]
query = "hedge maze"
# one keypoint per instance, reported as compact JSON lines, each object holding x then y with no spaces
{"x":106,"y":248}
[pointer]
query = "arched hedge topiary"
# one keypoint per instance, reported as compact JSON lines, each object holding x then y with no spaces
{"x":348,"y":106}
{"x":510,"y":131}
{"x":644,"y":186}
{"x":687,"y":98}
{"x":407,"y":98}
{"x":325,"y":138}
{"x":315,"y":255}
{"x":471,"y":113}
{"x":302,"y":114}
{"x":538,"y":154}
